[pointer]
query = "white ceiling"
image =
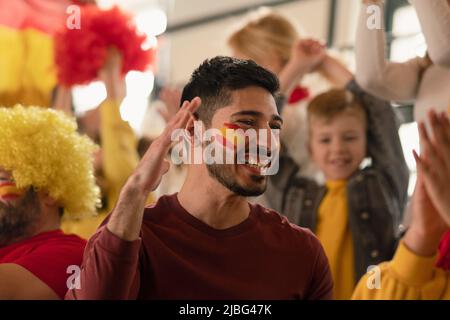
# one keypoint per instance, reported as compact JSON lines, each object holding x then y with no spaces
{"x":182,"y":11}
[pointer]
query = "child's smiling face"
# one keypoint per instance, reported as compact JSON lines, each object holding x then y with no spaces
{"x":338,"y":146}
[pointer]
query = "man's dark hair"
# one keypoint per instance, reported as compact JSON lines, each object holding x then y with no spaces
{"x":215,"y":79}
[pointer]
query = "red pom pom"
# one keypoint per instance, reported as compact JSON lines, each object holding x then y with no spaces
{"x":81,"y":53}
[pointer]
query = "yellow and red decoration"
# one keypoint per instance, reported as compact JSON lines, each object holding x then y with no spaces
{"x":81,"y":53}
{"x":236,"y":136}
{"x":9,"y":191}
{"x":27,"y":28}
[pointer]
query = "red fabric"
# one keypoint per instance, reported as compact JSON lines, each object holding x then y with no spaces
{"x":47,"y":16}
{"x":298,"y":94}
{"x":47,"y":256}
{"x":444,"y":252}
{"x":80,"y":53}
{"x":180,"y":257}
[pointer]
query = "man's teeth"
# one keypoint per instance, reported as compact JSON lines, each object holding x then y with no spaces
{"x":251,"y":162}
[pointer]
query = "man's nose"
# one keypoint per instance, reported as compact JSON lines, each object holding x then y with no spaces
{"x":337,"y":145}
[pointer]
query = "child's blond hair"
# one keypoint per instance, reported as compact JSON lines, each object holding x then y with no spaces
{"x":333,"y":103}
{"x":265,"y":32}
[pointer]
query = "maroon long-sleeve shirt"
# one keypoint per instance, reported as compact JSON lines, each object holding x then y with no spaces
{"x":180,"y":257}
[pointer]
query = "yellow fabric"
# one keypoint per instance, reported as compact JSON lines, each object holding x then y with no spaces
{"x":27,"y":71}
{"x":407,"y":277}
{"x":334,"y":233}
{"x":120,"y":158}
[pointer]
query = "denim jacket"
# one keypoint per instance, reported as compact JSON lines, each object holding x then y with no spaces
{"x":377,"y":194}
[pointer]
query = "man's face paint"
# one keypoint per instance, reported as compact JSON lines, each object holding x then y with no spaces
{"x":9,"y":190}
{"x":237,"y":138}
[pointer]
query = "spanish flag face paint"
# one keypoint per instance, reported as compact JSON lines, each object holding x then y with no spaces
{"x":9,"y":191}
{"x":230,"y":136}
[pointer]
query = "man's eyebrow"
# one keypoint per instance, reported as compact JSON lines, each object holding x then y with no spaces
{"x":256,"y":114}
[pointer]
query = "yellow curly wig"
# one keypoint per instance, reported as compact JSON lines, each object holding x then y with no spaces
{"x":42,"y":149}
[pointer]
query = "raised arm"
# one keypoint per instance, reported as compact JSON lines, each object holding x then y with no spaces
{"x":387,"y":80}
{"x":384,"y":146}
{"x":113,"y":252}
{"x":117,"y":137}
{"x":335,"y":71}
{"x":63,"y":100}
{"x":434,"y":17}
{"x":306,"y":56}
{"x":412,"y":274}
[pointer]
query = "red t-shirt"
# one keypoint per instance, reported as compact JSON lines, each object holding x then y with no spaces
{"x":180,"y":257}
{"x":47,"y":256}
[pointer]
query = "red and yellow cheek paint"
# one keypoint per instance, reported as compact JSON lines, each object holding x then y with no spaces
{"x":237,"y":138}
{"x":9,"y":191}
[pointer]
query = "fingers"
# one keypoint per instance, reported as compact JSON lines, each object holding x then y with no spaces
{"x":438,"y":144}
{"x":445,"y":121}
{"x":194,"y":104}
{"x":443,"y":138}
{"x":438,"y":128}
{"x":429,"y":152}
{"x":185,"y":115}
{"x":163,"y":112}
{"x":312,"y":45}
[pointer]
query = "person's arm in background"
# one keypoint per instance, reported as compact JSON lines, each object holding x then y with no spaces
{"x":434,"y":17}
{"x":335,"y":71}
{"x":171,"y":97}
{"x":118,"y":140}
{"x":111,"y":260}
{"x":309,"y":55}
{"x":412,"y":273}
{"x":436,"y":161}
{"x":63,"y":100}
{"x":387,"y":80}
{"x":306,"y":56}
{"x":384,"y":146}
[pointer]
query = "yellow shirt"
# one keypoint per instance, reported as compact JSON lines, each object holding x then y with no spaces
{"x":120,"y":158}
{"x":407,"y":277}
{"x":27,"y":70}
{"x":334,"y":233}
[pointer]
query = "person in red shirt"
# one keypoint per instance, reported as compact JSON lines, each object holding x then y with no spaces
{"x":206,"y":241}
{"x":46,"y":172}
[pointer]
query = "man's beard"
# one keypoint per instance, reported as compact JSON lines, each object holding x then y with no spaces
{"x":223,"y":173}
{"x":16,"y":220}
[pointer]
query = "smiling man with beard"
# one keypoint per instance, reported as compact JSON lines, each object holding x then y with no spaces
{"x":207,"y":241}
{"x":46,"y":172}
